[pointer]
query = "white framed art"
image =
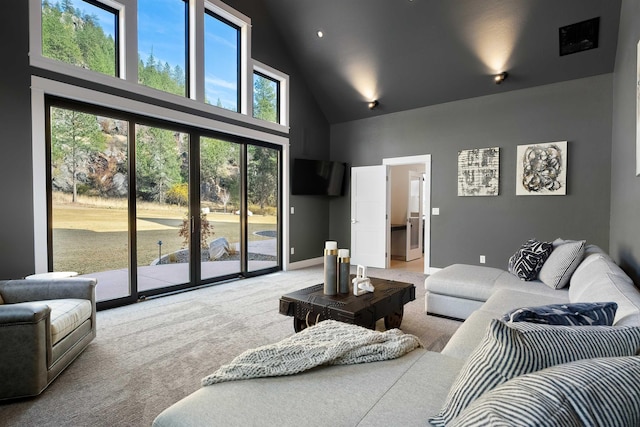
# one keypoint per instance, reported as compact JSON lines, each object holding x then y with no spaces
{"x":479,"y":172}
{"x":542,"y":169}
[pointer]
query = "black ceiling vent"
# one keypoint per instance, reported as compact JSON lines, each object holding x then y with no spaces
{"x":578,"y":37}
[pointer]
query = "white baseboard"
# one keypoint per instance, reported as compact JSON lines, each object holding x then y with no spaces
{"x":433,"y":270}
{"x":305,"y":263}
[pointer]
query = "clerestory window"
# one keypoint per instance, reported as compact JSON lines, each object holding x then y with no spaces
{"x":162,"y":45}
{"x":81,"y":33}
{"x":192,"y":53}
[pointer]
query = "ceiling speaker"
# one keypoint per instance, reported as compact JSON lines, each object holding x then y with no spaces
{"x":579,"y":37}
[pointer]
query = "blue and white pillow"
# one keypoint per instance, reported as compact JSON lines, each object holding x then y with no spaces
{"x":528,"y":260}
{"x":578,"y":314}
{"x":514,"y":349}
{"x":591,"y":392}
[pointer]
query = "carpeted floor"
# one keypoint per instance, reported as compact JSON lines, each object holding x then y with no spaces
{"x":148,"y":356}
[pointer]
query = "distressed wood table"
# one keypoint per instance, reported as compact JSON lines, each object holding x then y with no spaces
{"x":310,"y":305}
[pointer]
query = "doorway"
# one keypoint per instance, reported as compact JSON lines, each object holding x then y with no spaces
{"x":371,"y":212}
{"x":410,"y":242}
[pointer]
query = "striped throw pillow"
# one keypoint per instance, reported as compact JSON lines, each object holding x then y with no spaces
{"x":591,"y":392}
{"x":510,"y":350}
{"x":563,"y":261}
{"x":528,"y":260}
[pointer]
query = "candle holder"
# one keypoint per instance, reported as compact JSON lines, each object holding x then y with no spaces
{"x":330,"y":268}
{"x":344,"y":271}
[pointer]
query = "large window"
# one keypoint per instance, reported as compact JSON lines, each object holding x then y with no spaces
{"x":81,"y":33}
{"x":192,"y":53}
{"x":146,"y":184}
{"x":148,"y":206}
{"x":162,"y":45}
{"x":221,"y":62}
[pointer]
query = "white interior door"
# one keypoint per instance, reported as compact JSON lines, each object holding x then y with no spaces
{"x":414,"y":216}
{"x":370,"y":226}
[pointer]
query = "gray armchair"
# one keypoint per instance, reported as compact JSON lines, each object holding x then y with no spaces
{"x":44,"y":326}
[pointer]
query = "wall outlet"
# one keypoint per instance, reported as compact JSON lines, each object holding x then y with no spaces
{"x":435,"y":211}
{"x":293,"y":210}
{"x":293,"y":250}
{"x":483,"y":259}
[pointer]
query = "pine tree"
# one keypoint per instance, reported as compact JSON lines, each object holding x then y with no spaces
{"x":75,"y":136}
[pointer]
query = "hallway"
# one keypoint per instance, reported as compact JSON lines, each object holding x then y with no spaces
{"x":417,"y":265}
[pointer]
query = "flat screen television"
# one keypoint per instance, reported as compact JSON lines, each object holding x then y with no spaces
{"x":317,"y":178}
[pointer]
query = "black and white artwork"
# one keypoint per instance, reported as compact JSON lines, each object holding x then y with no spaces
{"x":478,"y":172}
{"x":542,"y":169}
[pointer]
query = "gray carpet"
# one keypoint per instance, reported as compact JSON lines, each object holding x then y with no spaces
{"x":148,"y":356}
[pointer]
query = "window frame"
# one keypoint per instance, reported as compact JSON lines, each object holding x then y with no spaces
{"x":127,"y":79}
{"x":283,"y":90}
{"x":215,"y":14}
{"x":41,"y":87}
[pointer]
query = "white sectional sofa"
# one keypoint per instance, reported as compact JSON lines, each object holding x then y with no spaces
{"x":409,"y":390}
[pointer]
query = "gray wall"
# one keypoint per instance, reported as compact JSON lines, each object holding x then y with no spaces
{"x":16,"y":214}
{"x":577,"y":111}
{"x":309,"y":137}
{"x":625,"y":185}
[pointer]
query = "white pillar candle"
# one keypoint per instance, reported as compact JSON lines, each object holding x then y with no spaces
{"x":330,"y":245}
{"x":343,"y":253}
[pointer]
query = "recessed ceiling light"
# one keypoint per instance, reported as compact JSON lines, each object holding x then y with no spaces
{"x":320,"y":34}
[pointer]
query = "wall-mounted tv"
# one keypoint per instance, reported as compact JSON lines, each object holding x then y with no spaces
{"x":317,"y":178}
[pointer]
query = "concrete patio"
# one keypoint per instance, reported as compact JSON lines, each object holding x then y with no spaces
{"x":114,"y":284}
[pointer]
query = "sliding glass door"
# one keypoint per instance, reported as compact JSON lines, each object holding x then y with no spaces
{"x":263,"y":206}
{"x":220,"y":210}
{"x":163,"y":219}
{"x":149,"y":207}
{"x":89,"y":198}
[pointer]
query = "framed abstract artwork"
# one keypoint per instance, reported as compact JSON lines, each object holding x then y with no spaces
{"x":478,"y":172}
{"x":542,"y":169}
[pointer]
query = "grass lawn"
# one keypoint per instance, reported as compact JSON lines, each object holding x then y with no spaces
{"x":89,"y":239}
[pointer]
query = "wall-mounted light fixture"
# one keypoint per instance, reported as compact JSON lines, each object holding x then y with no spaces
{"x":373,"y":104}
{"x":499,"y":78}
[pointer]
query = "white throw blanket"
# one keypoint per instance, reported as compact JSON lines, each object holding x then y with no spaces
{"x":328,"y":343}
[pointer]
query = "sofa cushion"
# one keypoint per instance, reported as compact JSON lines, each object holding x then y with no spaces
{"x":67,"y":315}
{"x":509,"y":281}
{"x":598,"y":278}
{"x":562,"y":262}
{"x":510,"y":350}
{"x":576,"y":314}
{"x":528,"y":260}
{"x":591,"y":392}
{"x":464,"y":281}
{"x":346,"y":392}
{"x":592,"y":268}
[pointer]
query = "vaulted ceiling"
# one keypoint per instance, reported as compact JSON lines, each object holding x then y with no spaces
{"x":414,"y":53}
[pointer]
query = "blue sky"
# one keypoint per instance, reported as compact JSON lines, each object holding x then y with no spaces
{"x":161,"y":30}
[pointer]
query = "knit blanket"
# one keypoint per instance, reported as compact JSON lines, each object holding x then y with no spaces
{"x":327,"y":343}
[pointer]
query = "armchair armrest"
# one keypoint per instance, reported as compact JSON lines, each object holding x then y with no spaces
{"x":23,"y":290}
{"x":31,"y":312}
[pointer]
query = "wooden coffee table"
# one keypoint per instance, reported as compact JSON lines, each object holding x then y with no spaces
{"x":310,"y":305}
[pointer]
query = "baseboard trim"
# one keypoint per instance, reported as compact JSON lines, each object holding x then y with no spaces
{"x":433,"y":270}
{"x":305,"y":263}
